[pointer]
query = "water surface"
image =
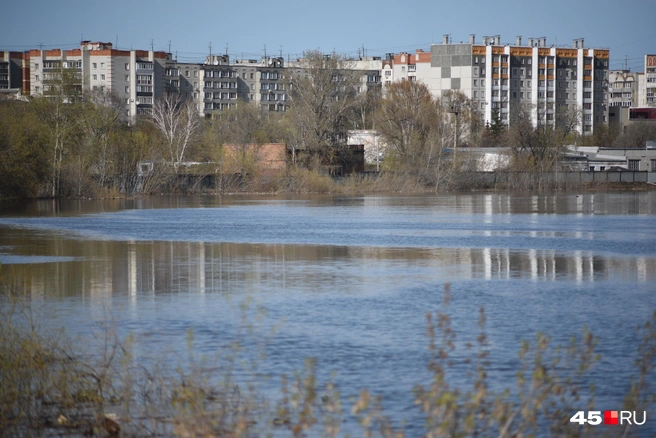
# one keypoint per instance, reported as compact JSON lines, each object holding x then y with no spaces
{"x":349,"y":280}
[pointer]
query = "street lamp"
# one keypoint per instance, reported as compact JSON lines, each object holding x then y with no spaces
{"x":455,"y":110}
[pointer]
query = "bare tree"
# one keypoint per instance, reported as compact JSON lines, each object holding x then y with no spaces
{"x":535,"y":149}
{"x":405,"y":118}
{"x":568,"y":119}
{"x":323,"y":90}
{"x":179,"y":123}
{"x":103,"y":112}
{"x":59,"y":113}
{"x":636,"y":135}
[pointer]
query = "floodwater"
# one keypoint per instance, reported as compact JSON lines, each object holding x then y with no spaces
{"x":347,"y":280}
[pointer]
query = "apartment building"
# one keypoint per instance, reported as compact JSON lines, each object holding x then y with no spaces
{"x":134,"y":75}
{"x":623,"y":88}
{"x":647,"y":83}
{"x":547,"y":81}
{"x":11,"y":70}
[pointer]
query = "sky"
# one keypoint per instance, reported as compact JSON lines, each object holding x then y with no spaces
{"x":246,"y":29}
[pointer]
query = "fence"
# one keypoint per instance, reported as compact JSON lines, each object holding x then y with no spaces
{"x":495,"y":179}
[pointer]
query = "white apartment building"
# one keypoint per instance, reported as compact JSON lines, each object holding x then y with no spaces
{"x":548,"y":80}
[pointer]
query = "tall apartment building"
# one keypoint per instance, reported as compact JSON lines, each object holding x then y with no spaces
{"x":647,"y":85}
{"x":134,"y":75}
{"x":623,"y":88}
{"x":548,"y":81}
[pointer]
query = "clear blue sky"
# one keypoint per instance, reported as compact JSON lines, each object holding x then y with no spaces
{"x":626,"y":27}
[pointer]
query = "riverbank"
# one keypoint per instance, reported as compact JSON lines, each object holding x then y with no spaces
{"x":303,"y":181}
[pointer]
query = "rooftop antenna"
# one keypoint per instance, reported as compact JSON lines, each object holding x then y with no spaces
{"x":169,"y":46}
{"x":41,"y":46}
{"x":152,"y":45}
{"x":210,"y":51}
{"x":116,"y":41}
{"x":281,"y":50}
{"x":226,"y":49}
{"x":265,"y":55}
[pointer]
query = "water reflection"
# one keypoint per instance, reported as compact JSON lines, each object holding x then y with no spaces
{"x":96,"y":269}
{"x":605,"y":203}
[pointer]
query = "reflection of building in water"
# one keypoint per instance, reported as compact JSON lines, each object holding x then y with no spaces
{"x":137,"y":268}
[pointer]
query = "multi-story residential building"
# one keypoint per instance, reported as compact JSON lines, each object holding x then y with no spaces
{"x":647,"y":85}
{"x":219,"y":84}
{"x":371,"y":68}
{"x":11,"y":70}
{"x":134,"y":75}
{"x":623,"y":88}
{"x":547,"y":81}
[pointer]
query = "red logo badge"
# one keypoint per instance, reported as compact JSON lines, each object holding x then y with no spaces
{"x":610,"y":417}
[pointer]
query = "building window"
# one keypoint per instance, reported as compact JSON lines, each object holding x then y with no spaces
{"x":634,"y":165}
{"x":95,"y":77}
{"x":102,"y":65}
{"x":102,"y":77}
{"x":127,"y":66}
{"x":95,"y":65}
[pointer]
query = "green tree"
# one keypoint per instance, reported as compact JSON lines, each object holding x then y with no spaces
{"x":497,"y":127}
{"x":24,"y":164}
{"x":59,"y":112}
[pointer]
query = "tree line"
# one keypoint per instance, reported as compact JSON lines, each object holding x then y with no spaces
{"x":71,"y":142}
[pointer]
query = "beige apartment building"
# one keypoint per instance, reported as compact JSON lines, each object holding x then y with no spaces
{"x":623,"y":88}
{"x":137,"y":76}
